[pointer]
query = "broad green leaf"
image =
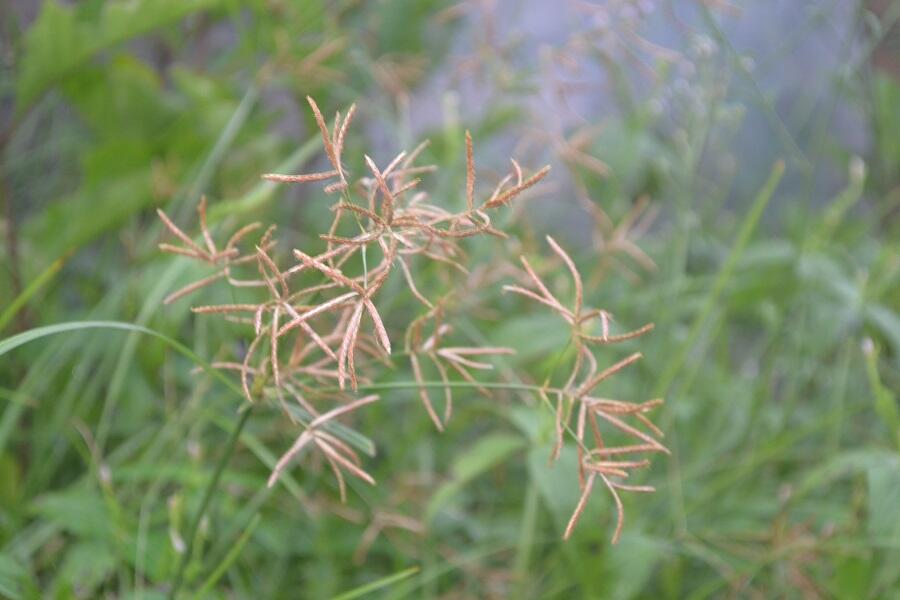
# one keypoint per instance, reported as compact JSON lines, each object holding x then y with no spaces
{"x":885,"y":401}
{"x":539,"y":334}
{"x":63,"y":228}
{"x":842,"y":465}
{"x":887,"y":322}
{"x":884,"y":501}
{"x":87,"y":565}
{"x":78,"y":510}
{"x":630,"y":564}
{"x":557,"y":482}
{"x":488,"y":452}
{"x":62,"y":39}
{"x":851,"y":579}
{"x":11,"y":476}
{"x":11,"y":575}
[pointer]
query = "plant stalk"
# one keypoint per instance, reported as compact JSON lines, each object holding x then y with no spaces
{"x":207,"y":497}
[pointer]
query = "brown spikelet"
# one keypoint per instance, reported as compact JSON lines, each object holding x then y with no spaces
{"x":470,"y":173}
{"x":508,"y":195}
{"x":595,"y":462}
{"x":323,"y":129}
{"x":307,"y":178}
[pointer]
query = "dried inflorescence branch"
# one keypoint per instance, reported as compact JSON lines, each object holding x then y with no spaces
{"x":611,"y":463}
{"x":320,"y":334}
{"x":224,"y":259}
{"x":310,"y":335}
{"x":338,"y":454}
{"x":444,"y":358}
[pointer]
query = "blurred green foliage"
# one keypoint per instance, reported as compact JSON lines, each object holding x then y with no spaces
{"x":777,"y":344}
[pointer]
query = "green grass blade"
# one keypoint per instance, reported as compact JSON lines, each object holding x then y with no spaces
{"x":740,"y":243}
{"x":31,"y":289}
{"x":229,"y":559}
{"x":377,"y":585}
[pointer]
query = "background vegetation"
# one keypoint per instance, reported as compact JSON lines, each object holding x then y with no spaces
{"x":772,"y":272}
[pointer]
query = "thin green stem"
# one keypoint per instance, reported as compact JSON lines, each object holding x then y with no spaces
{"x":526,"y":536}
{"x":412,"y":385}
{"x":540,"y":390}
{"x":229,"y":559}
{"x":207,"y":497}
{"x":709,"y":305}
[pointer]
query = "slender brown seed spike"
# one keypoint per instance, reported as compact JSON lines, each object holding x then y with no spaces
{"x":387,"y":198}
{"x":448,"y":395}
{"x":303,"y":178}
{"x":626,"y":428}
{"x":347,"y":464}
{"x":470,"y":173}
{"x":610,"y":371}
{"x":298,"y":445}
{"x":412,"y":284}
{"x":620,"y":510}
{"x":335,"y":128}
{"x":179,"y":250}
{"x":204,"y":230}
{"x":180,"y":234}
{"x":393,"y":164}
{"x":619,"y":450}
{"x":634,"y":488}
{"x":540,"y":285}
{"x":576,"y":277}
{"x":240,"y":234}
{"x":515,"y":191}
{"x":273,"y":268}
{"x":423,"y":393}
{"x":359,"y":210}
{"x":342,"y":410}
{"x":498,"y":189}
{"x":273,"y":347}
{"x":332,"y":304}
{"x":224,"y":308}
{"x":334,"y":274}
{"x":612,"y":339}
{"x":550,"y":303}
{"x":579,"y":508}
{"x":346,"y":349}
{"x":342,"y":485}
{"x":344,"y":127}
{"x":518,"y":171}
{"x":323,"y":128}
{"x":379,"y":326}
{"x":245,"y":383}
{"x":193,"y":287}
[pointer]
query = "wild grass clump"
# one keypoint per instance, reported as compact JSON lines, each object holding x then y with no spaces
{"x":319,"y":339}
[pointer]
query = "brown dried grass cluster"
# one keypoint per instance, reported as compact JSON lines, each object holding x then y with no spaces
{"x":318,"y":336}
{"x":611,"y":463}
